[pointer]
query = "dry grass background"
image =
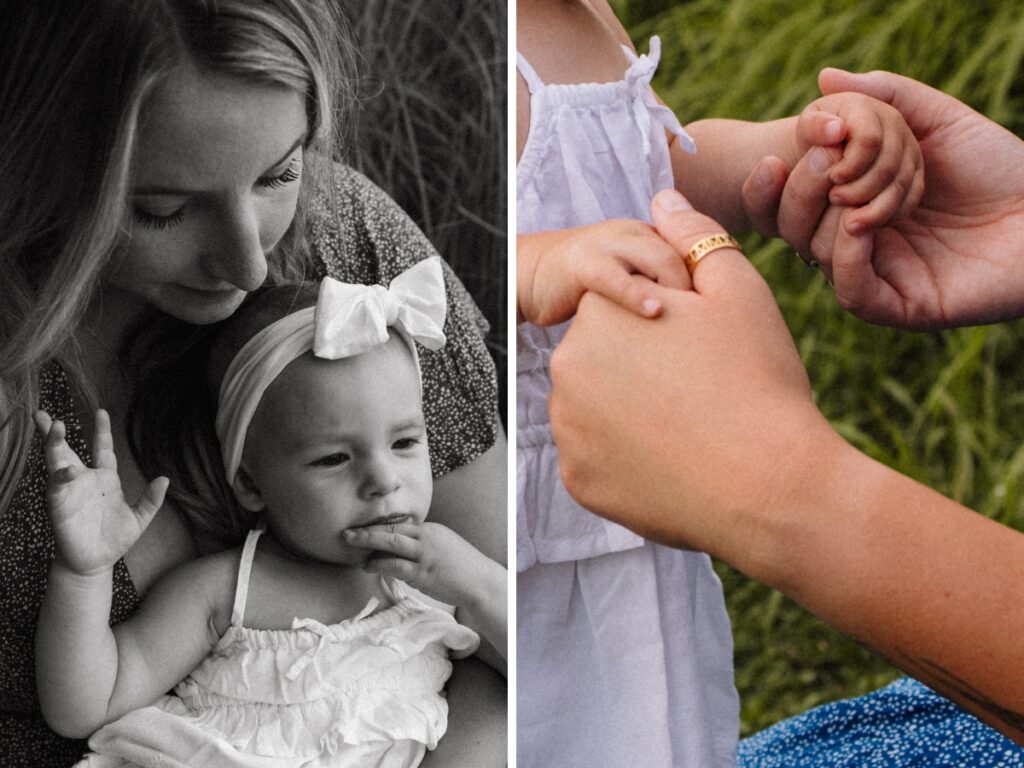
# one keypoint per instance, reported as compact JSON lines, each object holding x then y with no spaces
{"x":431,"y":131}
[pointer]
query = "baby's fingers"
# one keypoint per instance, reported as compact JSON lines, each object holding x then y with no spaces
{"x":150,"y":502}
{"x":103,"y":443}
{"x":895,"y":201}
{"x":637,"y":293}
{"x":819,"y":128}
{"x":386,"y":538}
{"x":865,"y":142}
{"x":56,"y":452}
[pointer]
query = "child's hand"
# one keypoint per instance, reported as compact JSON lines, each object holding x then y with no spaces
{"x":93,"y":524}
{"x":619,"y":259}
{"x":882,"y":169}
{"x":429,"y":556}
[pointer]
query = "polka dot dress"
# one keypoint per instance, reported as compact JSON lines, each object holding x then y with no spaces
{"x":358,"y":234}
{"x":26,"y":549}
{"x":904,"y":725}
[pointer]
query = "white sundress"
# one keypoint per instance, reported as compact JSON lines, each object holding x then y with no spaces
{"x":364,"y":693}
{"x":624,"y":650}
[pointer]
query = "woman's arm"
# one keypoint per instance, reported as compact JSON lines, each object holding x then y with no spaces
{"x":726,"y":452}
{"x":477,"y":719}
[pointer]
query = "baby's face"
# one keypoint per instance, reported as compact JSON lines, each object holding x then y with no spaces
{"x":338,"y":444}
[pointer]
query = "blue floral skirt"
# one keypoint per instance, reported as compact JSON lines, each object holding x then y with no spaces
{"x":904,"y":725}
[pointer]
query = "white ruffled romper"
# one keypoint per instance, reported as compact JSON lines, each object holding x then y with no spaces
{"x":364,"y":692}
{"x":624,"y":646}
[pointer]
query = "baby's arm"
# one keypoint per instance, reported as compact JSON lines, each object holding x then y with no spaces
{"x":436,"y":560}
{"x":88,"y":673}
{"x":882,"y":167}
{"x":618,"y":259}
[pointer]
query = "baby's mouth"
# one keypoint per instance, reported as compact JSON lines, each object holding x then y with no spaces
{"x":394,"y":519}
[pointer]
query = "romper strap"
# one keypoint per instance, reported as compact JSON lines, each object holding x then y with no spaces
{"x":244,"y":570}
{"x":533,"y":82}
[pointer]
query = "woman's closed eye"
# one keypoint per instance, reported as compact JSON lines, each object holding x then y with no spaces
{"x":158,"y":221}
{"x":291,"y":174}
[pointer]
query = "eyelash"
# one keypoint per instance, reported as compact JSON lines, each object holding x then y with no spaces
{"x":151,"y":221}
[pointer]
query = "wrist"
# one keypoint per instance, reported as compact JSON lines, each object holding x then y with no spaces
{"x":62,"y":570}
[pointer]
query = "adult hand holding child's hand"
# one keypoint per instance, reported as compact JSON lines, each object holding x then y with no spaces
{"x":954,"y":259}
{"x":665,"y":426}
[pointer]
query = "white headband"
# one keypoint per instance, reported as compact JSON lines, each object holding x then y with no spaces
{"x":348,"y":319}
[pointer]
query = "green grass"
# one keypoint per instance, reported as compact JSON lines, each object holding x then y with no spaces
{"x":431,"y":130}
{"x":944,"y":408}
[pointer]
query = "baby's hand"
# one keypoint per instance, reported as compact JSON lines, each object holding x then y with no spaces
{"x":429,"y":556}
{"x":93,"y":524}
{"x":620,"y":259}
{"x":881,"y":173}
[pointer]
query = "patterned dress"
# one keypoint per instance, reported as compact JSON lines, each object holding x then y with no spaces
{"x":357,"y":234}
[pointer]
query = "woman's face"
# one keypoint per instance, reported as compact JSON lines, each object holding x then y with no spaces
{"x":215,"y":180}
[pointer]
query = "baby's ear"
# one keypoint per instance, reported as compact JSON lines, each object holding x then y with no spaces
{"x":246,"y":492}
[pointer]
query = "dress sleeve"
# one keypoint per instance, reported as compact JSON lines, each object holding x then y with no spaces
{"x":358,"y":234}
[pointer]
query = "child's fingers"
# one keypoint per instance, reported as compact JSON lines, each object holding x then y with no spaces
{"x":892,"y":163}
{"x":103,"y":442}
{"x":151,"y":500}
{"x":897,"y":200}
{"x":816,"y":127}
{"x":381,"y":540}
{"x":43,"y":422}
{"x":56,"y":452}
{"x":637,"y":293}
{"x":762,"y":192}
{"x":866,"y":138}
{"x":65,"y":475}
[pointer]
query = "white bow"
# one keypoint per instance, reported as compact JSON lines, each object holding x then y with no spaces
{"x":351,"y":318}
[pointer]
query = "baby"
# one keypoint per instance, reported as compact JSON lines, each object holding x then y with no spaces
{"x":303,"y":647}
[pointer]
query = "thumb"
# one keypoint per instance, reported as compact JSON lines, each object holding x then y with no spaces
{"x":150,"y":502}
{"x":682,"y":227}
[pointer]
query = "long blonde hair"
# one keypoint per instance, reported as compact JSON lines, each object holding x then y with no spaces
{"x":72,"y":88}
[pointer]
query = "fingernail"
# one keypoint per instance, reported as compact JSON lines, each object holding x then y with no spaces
{"x":671,"y":200}
{"x":833,"y":130}
{"x":764,"y":174}
{"x":855,"y":227}
{"x":651,"y":307}
{"x":819,"y":161}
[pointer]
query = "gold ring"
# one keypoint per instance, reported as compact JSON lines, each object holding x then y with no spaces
{"x":702,"y":248}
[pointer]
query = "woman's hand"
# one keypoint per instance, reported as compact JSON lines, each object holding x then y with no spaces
{"x":952,"y":261}
{"x":666,"y":426}
{"x":93,"y":524}
{"x":621,"y":259}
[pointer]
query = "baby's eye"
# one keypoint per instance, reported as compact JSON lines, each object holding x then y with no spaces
{"x":292,"y":173}
{"x":405,"y":443}
{"x":334,"y":460}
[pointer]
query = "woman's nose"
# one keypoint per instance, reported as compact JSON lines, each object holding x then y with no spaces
{"x":236,"y":252}
{"x":380,"y":478}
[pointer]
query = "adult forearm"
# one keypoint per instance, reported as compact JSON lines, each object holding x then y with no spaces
{"x":477,"y":719}
{"x":76,"y":655}
{"x":926,"y":583}
{"x":472,"y":499}
{"x":487,"y":614}
{"x":727,"y":151}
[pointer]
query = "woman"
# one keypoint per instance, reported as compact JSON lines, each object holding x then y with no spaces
{"x":746,"y":468}
{"x":167,"y":158}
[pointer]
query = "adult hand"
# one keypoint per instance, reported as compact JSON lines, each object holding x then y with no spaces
{"x":667,"y":426}
{"x":954,"y":260}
